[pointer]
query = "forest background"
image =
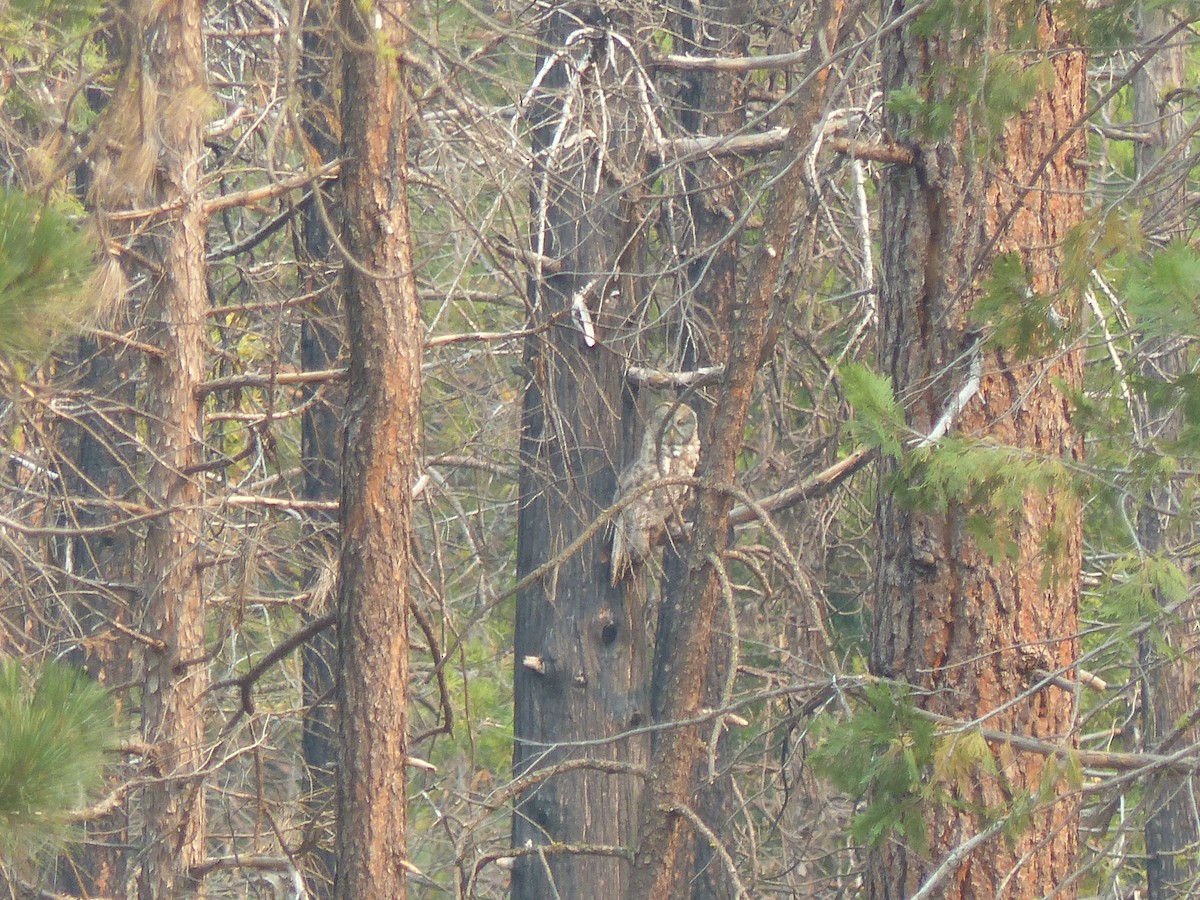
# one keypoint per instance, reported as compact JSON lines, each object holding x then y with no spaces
{"x":327,"y":327}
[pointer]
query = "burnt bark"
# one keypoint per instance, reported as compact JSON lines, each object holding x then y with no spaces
{"x":320,"y":444}
{"x":713,"y":103}
{"x":666,"y":851}
{"x":971,"y":631}
{"x":379,"y":456}
{"x":580,"y":663}
{"x":176,"y":672}
{"x":102,"y":567}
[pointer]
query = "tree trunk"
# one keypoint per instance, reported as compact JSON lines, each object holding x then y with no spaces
{"x":580,"y":667}
{"x":1169,"y":677}
{"x":320,"y":448}
{"x":713,"y":103}
{"x":176,"y":671}
{"x":103,"y":565}
{"x":665,"y":860}
{"x":379,"y":456}
{"x":975,"y":633}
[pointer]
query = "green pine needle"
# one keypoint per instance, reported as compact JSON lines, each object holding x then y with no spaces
{"x":55,"y":727}
{"x":45,"y":263}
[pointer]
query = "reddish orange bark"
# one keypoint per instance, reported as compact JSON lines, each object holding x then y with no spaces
{"x":176,"y":673}
{"x":379,"y":457}
{"x":971,"y":632}
{"x":663,"y":866}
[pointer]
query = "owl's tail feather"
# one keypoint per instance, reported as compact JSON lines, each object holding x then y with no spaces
{"x":618,"y":561}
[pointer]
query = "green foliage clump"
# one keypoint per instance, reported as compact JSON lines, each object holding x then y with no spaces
{"x":69,"y":15}
{"x":55,"y":728}
{"x":989,"y":484}
{"x":1162,"y":290}
{"x":45,"y":263}
{"x":884,"y":753}
{"x":879,"y":418}
{"x":1140,"y":587}
{"x":1016,"y":318}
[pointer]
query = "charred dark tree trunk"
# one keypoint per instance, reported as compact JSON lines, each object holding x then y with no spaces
{"x":973,"y":632}
{"x":101,"y":564}
{"x":320,"y":444}
{"x":580,"y":669}
{"x":102,"y":567}
{"x":379,"y":456}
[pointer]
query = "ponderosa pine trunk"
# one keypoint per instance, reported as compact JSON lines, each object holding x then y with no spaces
{"x":176,"y":668}
{"x":976,"y":634}
{"x":379,"y":455}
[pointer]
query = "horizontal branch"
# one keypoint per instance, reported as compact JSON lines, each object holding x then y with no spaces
{"x":545,"y":264}
{"x":247,"y":681}
{"x":265,"y":379}
{"x":459,"y":461}
{"x":1116,"y":133}
{"x":275,"y":189}
{"x":641,"y":376}
{"x":442,"y":340}
{"x":887,"y":152}
{"x":78,"y":530}
{"x":725,"y":145}
{"x":689,"y":63}
{"x":241,"y":198}
{"x":101,"y":808}
{"x":774,"y":139}
{"x":242,"y":861}
{"x":1182,"y":763}
{"x":815,"y":486}
{"x":148,"y":349}
{"x":280,"y":502}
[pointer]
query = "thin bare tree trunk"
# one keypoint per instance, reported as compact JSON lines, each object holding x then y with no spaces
{"x":379,"y":456}
{"x":1167,"y":656}
{"x":975,"y":632}
{"x":665,"y":859}
{"x":713,"y":104}
{"x":177,"y":670}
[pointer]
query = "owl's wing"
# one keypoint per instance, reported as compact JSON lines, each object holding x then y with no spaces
{"x":626,"y":536}
{"x":618,"y":557}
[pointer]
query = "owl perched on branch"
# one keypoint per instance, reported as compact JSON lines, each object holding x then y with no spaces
{"x":670,"y":447}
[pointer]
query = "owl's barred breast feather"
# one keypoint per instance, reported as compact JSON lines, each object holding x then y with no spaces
{"x":670,"y":447}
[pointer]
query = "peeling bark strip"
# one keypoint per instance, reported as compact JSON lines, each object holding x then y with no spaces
{"x":175,"y":675}
{"x":379,"y":456}
{"x":666,"y":839}
{"x":969,"y":631}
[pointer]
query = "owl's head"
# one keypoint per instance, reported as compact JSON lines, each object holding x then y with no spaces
{"x":676,"y":423}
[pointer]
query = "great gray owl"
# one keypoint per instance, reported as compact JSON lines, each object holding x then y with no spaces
{"x":670,"y":446}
